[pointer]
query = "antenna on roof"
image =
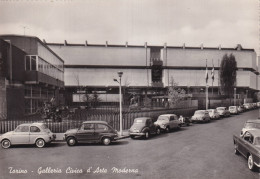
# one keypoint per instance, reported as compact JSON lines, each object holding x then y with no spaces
{"x":24,"y":27}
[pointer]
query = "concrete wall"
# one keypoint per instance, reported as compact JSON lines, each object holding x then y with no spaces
{"x":197,"y":78}
{"x":104,"y":77}
{"x":91,"y":55}
{"x":197,"y":57}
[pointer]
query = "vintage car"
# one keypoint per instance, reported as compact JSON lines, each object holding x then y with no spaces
{"x":167,"y":122}
{"x":213,"y":114}
{"x":223,"y":112}
{"x":33,"y":133}
{"x":91,"y":132}
{"x":233,"y":109}
{"x":250,"y":124}
{"x":258,"y":104}
{"x":200,"y":116}
{"x":248,"y":145}
{"x":241,"y":108}
{"x":143,"y":127}
{"x":247,"y":106}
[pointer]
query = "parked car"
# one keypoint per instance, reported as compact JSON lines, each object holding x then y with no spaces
{"x":247,"y":106}
{"x":258,"y":104}
{"x":167,"y":122}
{"x":223,"y":112}
{"x":233,"y":109}
{"x":143,"y":127}
{"x":200,"y":116}
{"x":241,"y":108}
{"x":248,"y":146}
{"x":91,"y":132}
{"x":213,"y":114}
{"x":185,"y":120}
{"x":32,"y":133}
{"x":250,"y":124}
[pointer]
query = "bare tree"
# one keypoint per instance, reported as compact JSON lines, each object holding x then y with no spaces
{"x":175,"y":94}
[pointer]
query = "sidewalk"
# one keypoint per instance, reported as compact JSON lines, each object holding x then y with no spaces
{"x":59,"y":136}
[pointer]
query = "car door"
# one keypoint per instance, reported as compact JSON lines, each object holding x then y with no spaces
{"x":100,"y":131}
{"x":21,"y":135}
{"x":34,"y":133}
{"x":86,"y":133}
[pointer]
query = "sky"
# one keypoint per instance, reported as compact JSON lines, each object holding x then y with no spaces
{"x":175,"y":22}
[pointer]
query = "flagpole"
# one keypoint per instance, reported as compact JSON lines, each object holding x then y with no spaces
{"x":207,"y":95}
{"x":212,"y":75}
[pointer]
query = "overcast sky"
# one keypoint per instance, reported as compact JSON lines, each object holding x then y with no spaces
{"x":211,"y":22}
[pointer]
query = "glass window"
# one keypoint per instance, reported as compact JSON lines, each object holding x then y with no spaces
{"x":22,"y":129}
{"x":27,"y":63}
{"x":88,"y":126}
{"x":35,"y":129}
{"x":33,"y":62}
{"x":101,"y":127}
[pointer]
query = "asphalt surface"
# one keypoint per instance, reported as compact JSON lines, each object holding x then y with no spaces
{"x":197,"y":152}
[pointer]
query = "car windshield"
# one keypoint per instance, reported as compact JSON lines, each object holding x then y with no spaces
{"x":252,"y":125}
{"x":162,"y":118}
{"x":257,"y":141}
{"x":140,"y":120}
{"x":232,"y":107}
{"x":199,"y":112}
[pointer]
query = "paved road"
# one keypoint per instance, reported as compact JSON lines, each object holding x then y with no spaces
{"x":196,"y":152}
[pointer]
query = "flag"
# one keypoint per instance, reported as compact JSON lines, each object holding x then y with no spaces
{"x":212,"y":73}
{"x":206,"y":75}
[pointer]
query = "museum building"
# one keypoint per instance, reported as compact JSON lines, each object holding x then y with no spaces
{"x":31,"y":74}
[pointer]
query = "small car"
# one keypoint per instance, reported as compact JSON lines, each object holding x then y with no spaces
{"x":91,"y":132}
{"x":185,"y":120}
{"x":31,"y":133}
{"x":248,"y":146}
{"x":233,"y":109}
{"x":223,"y":112}
{"x":167,"y":122}
{"x":213,"y":114}
{"x":143,"y":127}
{"x":241,"y":108}
{"x":258,"y":104}
{"x":247,"y":106}
{"x":250,"y":124}
{"x":200,"y":116}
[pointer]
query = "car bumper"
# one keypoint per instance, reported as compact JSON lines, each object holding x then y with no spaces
{"x":136,"y":134}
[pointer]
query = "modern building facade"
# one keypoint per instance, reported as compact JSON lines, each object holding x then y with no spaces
{"x":149,"y":70}
{"x":31,"y":75}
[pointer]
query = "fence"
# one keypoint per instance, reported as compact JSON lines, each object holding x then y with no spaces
{"x":112,"y":119}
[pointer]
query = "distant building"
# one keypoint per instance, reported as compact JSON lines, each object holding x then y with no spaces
{"x":31,"y":74}
{"x":149,"y":70}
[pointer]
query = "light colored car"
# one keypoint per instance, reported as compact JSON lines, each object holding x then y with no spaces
{"x":258,"y":104}
{"x":223,"y":111}
{"x":241,"y":109}
{"x":250,"y":124}
{"x":200,"y":116}
{"x":213,"y":114}
{"x":33,"y":133}
{"x":166,"y":122}
{"x":233,"y":109}
{"x":247,"y":106}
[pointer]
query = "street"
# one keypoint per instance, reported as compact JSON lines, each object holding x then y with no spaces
{"x":198,"y":151}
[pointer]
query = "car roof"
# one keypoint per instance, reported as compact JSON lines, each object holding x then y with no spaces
{"x":201,"y":110}
{"x":142,"y":118}
{"x":168,"y":115}
{"x":29,"y":124}
{"x":96,"y":122}
{"x":253,"y":121}
{"x":255,"y":132}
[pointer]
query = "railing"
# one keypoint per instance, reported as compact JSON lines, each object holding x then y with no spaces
{"x":112,"y":119}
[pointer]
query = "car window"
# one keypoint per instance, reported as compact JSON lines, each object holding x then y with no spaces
{"x":34,"y":129}
{"x":101,"y":127}
{"x":171,"y":118}
{"x":87,"y":127}
{"x":22,"y":129}
{"x":248,"y":137}
{"x":148,"y":122}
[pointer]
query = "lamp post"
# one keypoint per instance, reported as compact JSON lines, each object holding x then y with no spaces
{"x":120,"y":74}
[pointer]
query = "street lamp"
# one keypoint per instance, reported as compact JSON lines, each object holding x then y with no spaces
{"x":235,"y":91}
{"x":120,"y":74}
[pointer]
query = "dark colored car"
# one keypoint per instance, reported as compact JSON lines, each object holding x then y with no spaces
{"x":248,"y":145}
{"x":143,"y":127}
{"x":91,"y":132}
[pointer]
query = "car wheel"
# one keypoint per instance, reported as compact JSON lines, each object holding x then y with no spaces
{"x":132,"y":136}
{"x":158,"y":131}
{"x":71,"y":141}
{"x":6,"y":144}
{"x":106,"y":141}
{"x":250,"y":162}
{"x":40,"y":143}
{"x":147,"y":135}
{"x":167,"y":129}
{"x":236,"y":151}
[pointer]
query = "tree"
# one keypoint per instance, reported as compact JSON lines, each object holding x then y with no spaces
{"x":228,"y":74}
{"x":175,"y":94}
